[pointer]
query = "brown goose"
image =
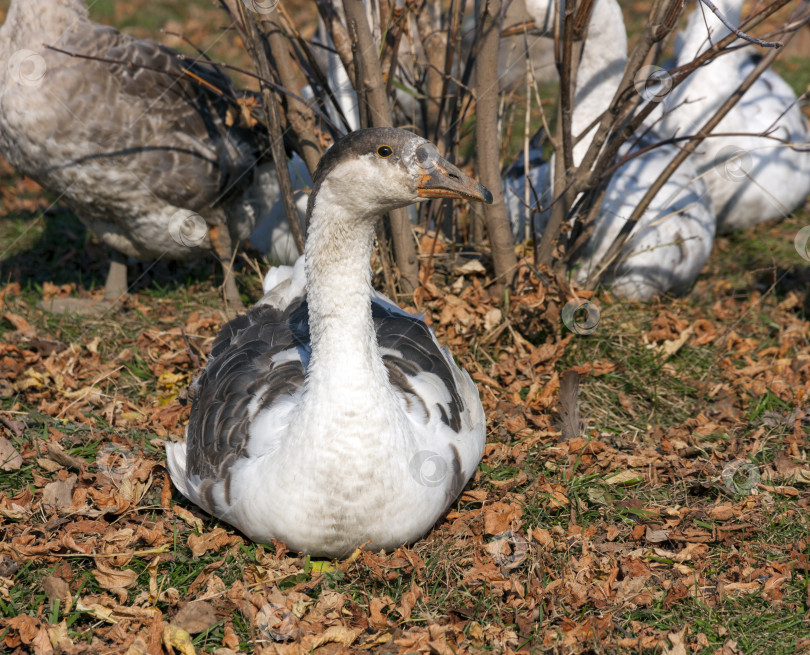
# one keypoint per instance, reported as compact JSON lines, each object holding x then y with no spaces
{"x":327,"y":417}
{"x":143,"y":155}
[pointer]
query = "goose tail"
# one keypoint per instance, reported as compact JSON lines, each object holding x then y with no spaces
{"x":176,"y":463}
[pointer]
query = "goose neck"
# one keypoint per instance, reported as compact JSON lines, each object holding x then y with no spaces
{"x":345,"y":355}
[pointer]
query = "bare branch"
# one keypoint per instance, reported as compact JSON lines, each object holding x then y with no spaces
{"x":486,"y":78}
{"x":299,"y":114}
{"x":380,"y":115}
{"x":738,"y":32}
{"x":270,"y":106}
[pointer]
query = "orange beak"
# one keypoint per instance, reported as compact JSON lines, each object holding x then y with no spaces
{"x":440,"y":179}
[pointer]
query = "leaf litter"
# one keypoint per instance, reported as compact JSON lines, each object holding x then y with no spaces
{"x":594,"y":516}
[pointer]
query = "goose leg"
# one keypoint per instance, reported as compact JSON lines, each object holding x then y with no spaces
{"x":223,"y":247}
{"x":116,"y":284}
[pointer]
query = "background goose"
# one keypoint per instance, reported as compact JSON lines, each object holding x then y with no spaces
{"x":672,"y":241}
{"x":329,"y":418}
{"x":146,"y":158}
{"x":751,"y":178}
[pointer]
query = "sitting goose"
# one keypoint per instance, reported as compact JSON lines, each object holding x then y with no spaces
{"x":751,"y":178}
{"x":146,"y":156}
{"x":327,"y":417}
{"x":671,"y":242}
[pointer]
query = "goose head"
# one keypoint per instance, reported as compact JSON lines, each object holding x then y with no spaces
{"x":372,"y":171}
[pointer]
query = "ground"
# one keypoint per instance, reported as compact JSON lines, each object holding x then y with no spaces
{"x":671,"y":516}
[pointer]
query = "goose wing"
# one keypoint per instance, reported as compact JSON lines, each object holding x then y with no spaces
{"x":257,"y":359}
{"x":421,"y":370}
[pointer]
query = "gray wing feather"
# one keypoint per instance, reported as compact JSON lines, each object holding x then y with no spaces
{"x":240,"y":369}
{"x":418,"y":352}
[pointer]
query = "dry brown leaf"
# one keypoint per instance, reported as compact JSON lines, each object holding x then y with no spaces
{"x":59,"y":494}
{"x":677,"y":647}
{"x":22,"y":327}
{"x":213,"y":541}
{"x":722,"y":512}
{"x":741,"y":587}
{"x":196,"y":616}
{"x":177,"y":638}
{"x":115,"y":580}
{"x":624,"y":479}
{"x":498,"y":517}
{"x":42,"y":642}
{"x":188,"y":517}
{"x":10,"y":459}
{"x":57,"y":589}
{"x":656,"y":536}
{"x":408,"y":601}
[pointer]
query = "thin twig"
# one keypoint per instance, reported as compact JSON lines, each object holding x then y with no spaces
{"x":270,"y":106}
{"x":739,"y":32}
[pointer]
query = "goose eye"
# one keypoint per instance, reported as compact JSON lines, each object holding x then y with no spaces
{"x":385,"y":151}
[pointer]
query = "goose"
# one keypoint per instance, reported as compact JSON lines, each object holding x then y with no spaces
{"x":147,"y":156}
{"x":326,"y":416}
{"x":751,"y":178}
{"x":670,"y":244}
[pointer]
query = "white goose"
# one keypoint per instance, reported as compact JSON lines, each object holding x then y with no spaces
{"x":327,"y":417}
{"x":146,"y":158}
{"x":751,"y":178}
{"x":671,"y":242}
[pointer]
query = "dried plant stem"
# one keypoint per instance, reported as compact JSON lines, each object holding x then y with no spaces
{"x":299,"y":115}
{"x":380,"y":116}
{"x":486,"y":136}
{"x":270,"y":105}
{"x":740,"y":33}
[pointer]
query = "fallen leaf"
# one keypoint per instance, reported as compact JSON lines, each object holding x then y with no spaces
{"x":10,"y":459}
{"x":656,"y":536}
{"x":677,"y":646}
{"x":408,"y":601}
{"x":188,"y":517}
{"x":213,"y":541}
{"x":624,"y":479}
{"x":174,"y":637}
{"x":722,"y":512}
{"x":59,"y":494}
{"x":196,"y":616}
{"x":116,"y":580}
{"x":471,"y":267}
{"x":57,"y":589}
{"x":498,"y":517}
